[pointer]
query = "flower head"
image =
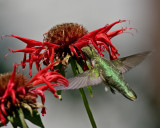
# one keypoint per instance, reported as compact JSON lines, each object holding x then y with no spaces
{"x":72,"y":37}
{"x":67,"y":38}
{"x":15,"y":92}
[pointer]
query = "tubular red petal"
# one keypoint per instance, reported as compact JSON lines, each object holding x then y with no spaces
{"x":56,"y":77}
{"x":11,"y":82}
{"x":91,"y":34}
{"x":38,"y":66}
{"x":21,"y":90}
{"x":81,"y":43}
{"x":73,"y":50}
{"x":41,"y":72}
{"x":23,"y":63}
{"x":13,"y":96}
{"x":50,"y":44}
{"x":29,"y":42}
{"x":52,"y":56}
{"x":3,"y":109}
{"x":96,"y":46}
{"x":41,"y":94}
{"x":2,"y":119}
{"x":43,"y":88}
{"x":43,"y":111}
{"x":108,"y":27}
{"x":26,"y":50}
{"x":30,"y":67}
{"x":50,"y":87}
{"x":103,"y":37}
{"x":37,"y":82}
{"x":117,"y":32}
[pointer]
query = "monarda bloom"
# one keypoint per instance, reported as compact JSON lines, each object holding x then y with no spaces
{"x":68,"y":38}
{"x":71,"y":37}
{"x":18,"y":95}
{"x":18,"y":100}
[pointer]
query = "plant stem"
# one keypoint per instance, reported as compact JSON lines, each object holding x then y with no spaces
{"x":84,"y":98}
{"x":76,"y":68}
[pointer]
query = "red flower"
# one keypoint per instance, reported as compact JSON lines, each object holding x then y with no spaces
{"x":68,"y":38}
{"x":14,"y":91}
{"x":47,"y":77}
{"x":36,"y":54}
{"x":71,"y":37}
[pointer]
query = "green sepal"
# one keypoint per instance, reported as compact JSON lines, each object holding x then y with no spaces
{"x":17,"y":119}
{"x":34,"y":117}
{"x":90,"y":91}
{"x":28,"y":107}
{"x":73,"y":66}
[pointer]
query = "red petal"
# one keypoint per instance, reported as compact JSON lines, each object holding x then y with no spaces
{"x":29,"y":42}
{"x":73,"y":50}
{"x":42,"y":72}
{"x":108,"y":27}
{"x":21,"y":90}
{"x":41,"y":94}
{"x":50,"y":44}
{"x":3,"y":109}
{"x":10,"y":83}
{"x":25,"y":50}
{"x":13,"y":96}
{"x":117,"y":32}
{"x":50,"y":87}
{"x":2,"y":119}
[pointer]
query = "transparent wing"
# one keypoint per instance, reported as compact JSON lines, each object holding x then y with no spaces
{"x":129,"y":62}
{"x":88,"y":78}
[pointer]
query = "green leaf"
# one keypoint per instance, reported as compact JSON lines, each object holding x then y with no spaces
{"x":35,"y":119}
{"x":17,"y":119}
{"x":90,"y":91}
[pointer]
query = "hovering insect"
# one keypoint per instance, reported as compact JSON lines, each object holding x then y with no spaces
{"x":110,"y":72}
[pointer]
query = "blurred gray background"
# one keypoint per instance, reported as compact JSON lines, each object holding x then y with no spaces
{"x":32,"y":18}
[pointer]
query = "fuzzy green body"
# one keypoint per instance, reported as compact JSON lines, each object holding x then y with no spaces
{"x":112,"y":77}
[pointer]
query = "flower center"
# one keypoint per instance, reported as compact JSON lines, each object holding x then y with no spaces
{"x":64,"y":35}
{"x":19,"y":80}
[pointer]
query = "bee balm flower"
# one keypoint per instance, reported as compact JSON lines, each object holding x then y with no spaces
{"x":68,"y":38}
{"x":15,"y":93}
{"x":72,"y":37}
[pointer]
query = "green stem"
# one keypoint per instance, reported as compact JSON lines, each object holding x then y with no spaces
{"x":85,"y":101}
{"x":76,"y":68}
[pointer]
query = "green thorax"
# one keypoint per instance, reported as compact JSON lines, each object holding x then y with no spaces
{"x":109,"y":73}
